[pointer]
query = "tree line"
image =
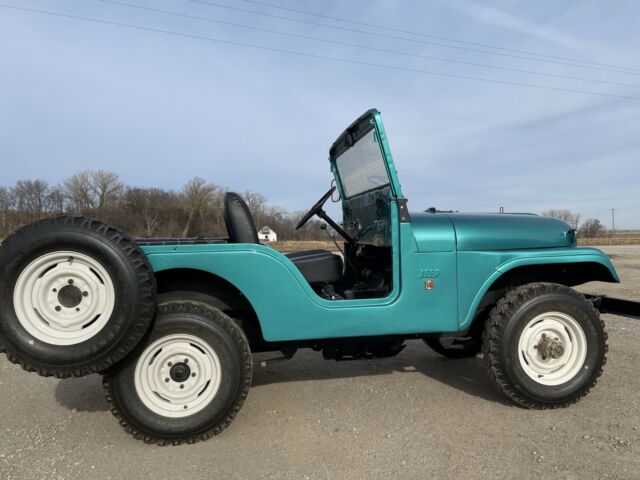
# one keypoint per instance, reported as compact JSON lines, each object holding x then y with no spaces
{"x":194,"y":211}
{"x":587,"y":228}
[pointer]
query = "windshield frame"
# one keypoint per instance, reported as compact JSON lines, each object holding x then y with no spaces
{"x":351,"y":136}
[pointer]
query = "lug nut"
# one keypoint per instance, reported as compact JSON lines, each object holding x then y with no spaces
{"x":169,"y":364}
{"x":58,"y":308}
{"x":193,"y":374}
{"x":54,"y":289}
{"x":166,"y":379}
{"x":85,"y":294}
{"x":70,"y":281}
{"x":186,"y":360}
{"x":77,"y":309}
{"x":182,"y":385}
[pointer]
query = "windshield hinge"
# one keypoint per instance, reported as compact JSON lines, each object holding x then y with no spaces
{"x":403,"y":211}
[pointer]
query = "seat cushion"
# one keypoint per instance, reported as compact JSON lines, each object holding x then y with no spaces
{"x":318,"y":266}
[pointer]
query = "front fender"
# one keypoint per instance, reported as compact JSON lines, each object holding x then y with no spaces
{"x":510,"y":260}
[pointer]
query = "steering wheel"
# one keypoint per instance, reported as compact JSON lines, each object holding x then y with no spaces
{"x":315,"y":209}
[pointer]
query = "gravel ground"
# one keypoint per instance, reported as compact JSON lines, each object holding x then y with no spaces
{"x":413,"y":416}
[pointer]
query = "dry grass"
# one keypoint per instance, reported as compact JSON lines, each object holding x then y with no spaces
{"x":610,"y":240}
{"x":297,"y":245}
{"x":288,"y":246}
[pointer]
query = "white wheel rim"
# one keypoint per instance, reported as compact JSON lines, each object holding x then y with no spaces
{"x":63,"y":298}
{"x":567,"y":361}
{"x":165,"y":393}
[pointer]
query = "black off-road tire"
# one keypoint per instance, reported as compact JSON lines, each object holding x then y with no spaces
{"x":506,"y":323}
{"x":454,"y":348}
{"x":134,"y":296}
{"x":229,"y":343}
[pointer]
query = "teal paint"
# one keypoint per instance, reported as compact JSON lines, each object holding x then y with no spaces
{"x":479,"y":270}
{"x":509,"y":231}
{"x":463,"y":254}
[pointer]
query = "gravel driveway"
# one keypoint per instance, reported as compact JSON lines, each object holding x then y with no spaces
{"x":413,"y":416}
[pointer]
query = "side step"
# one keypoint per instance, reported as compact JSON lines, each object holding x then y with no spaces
{"x":615,"y":306}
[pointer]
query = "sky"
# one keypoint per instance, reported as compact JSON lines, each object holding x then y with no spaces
{"x":159,"y":109}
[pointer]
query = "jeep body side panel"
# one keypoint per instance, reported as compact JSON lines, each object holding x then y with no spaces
{"x":288,"y":309}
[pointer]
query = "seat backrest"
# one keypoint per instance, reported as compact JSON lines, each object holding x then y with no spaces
{"x":238,"y":220}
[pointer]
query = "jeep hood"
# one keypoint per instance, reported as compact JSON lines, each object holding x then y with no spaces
{"x":482,"y":231}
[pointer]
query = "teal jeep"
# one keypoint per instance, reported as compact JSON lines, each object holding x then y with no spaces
{"x":171,"y":323}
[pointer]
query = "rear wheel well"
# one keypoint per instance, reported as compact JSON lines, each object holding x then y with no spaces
{"x":220,"y":293}
{"x":568,"y":274}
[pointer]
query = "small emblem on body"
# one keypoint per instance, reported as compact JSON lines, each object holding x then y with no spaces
{"x":429,"y":272}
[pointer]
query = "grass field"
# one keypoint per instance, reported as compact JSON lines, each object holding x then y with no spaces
{"x":611,"y":240}
{"x":287,"y":246}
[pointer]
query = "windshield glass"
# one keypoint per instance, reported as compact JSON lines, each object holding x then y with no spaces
{"x":361,"y":168}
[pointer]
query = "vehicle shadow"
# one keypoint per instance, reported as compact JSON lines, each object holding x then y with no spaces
{"x":82,"y":394}
{"x":467,"y":375}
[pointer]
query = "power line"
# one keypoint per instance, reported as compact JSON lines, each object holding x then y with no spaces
{"x":447,"y":39}
{"x":365,"y":47}
{"x":395,"y":37}
{"x":312,"y":55}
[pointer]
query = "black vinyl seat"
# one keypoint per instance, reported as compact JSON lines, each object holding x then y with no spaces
{"x":317,"y":266}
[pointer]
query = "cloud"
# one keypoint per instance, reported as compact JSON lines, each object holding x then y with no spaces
{"x":582,"y":158}
{"x":499,"y":18}
{"x":159,"y":110}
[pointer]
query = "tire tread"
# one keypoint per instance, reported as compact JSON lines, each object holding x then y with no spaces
{"x":231,"y":327}
{"x":494,"y":329}
{"x":145,"y":278}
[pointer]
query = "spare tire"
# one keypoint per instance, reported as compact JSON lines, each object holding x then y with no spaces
{"x":76,"y":295}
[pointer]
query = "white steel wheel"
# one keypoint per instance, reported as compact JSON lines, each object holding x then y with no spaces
{"x":552,"y":348}
{"x":64,"y":298}
{"x":177,"y":375}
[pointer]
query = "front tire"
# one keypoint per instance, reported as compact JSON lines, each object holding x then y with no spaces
{"x":186,"y":381}
{"x":544,"y":345}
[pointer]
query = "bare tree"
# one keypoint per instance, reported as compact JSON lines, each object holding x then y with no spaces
{"x":78,"y":190}
{"x":565,"y":215}
{"x":31,"y":197}
{"x":592,"y":227}
{"x":55,"y":200}
{"x":256,"y":203}
{"x":217,"y":207}
{"x":105,"y":187}
{"x":93,"y":189}
{"x":7,"y":202}
{"x":198,"y":209}
{"x":197,"y":196}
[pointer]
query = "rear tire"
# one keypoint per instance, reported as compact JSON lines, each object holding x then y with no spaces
{"x":544,"y":345}
{"x":76,"y":296}
{"x":186,"y":381}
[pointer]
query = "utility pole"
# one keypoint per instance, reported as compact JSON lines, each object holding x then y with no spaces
{"x":613,"y":221}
